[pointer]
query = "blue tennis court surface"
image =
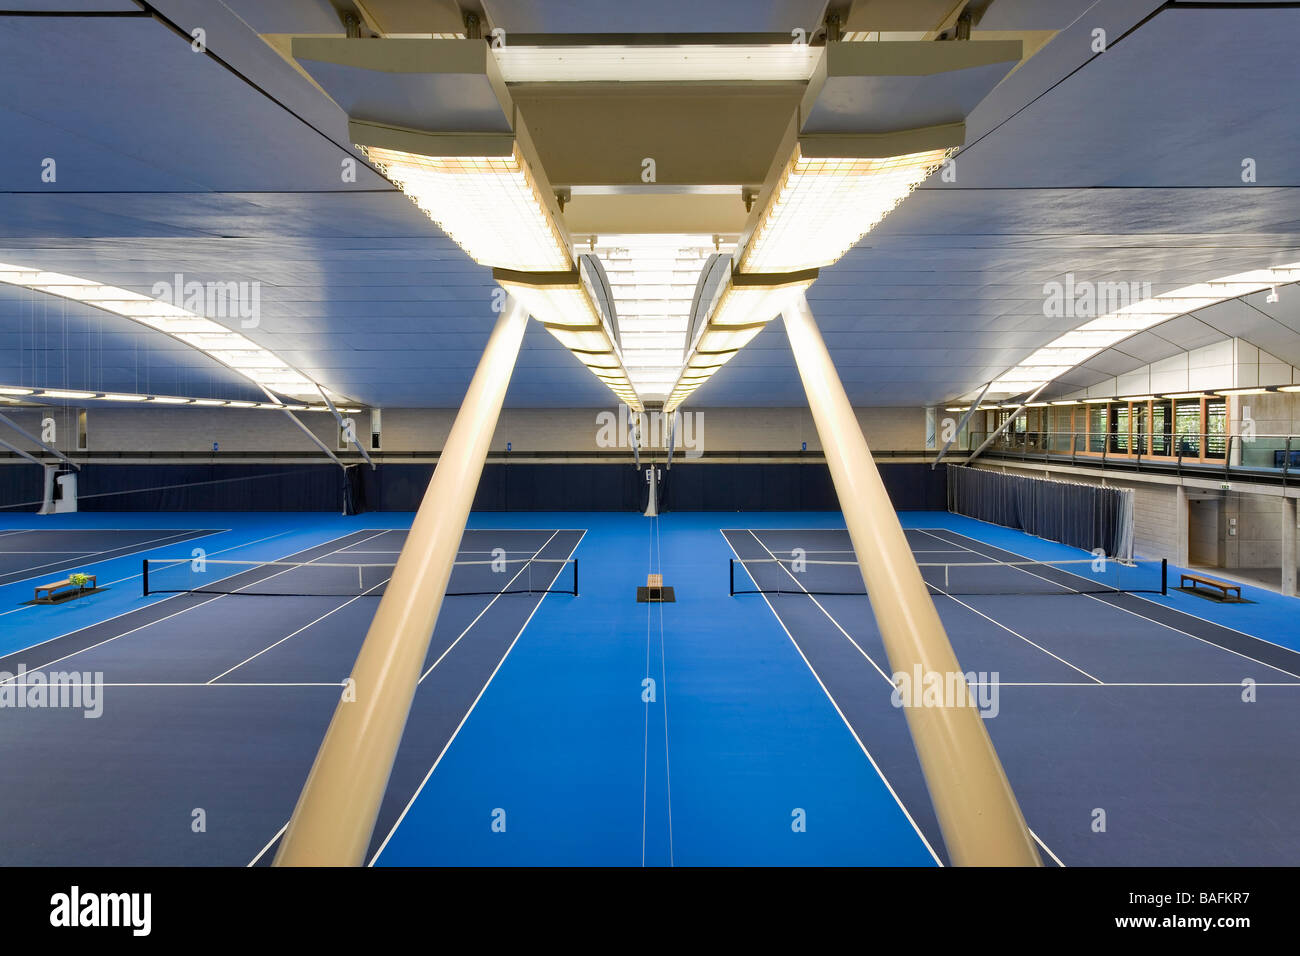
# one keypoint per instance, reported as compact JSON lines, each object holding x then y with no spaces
{"x":49,"y":554}
{"x":553,"y":728}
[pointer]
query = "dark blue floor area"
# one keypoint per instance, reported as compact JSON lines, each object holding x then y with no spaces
{"x":715,"y":730}
{"x":40,"y":556}
{"x":218,"y":703}
{"x":1111,"y":702}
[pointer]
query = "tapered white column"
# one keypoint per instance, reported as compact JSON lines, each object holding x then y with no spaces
{"x":978,"y":814}
{"x":336,"y":812}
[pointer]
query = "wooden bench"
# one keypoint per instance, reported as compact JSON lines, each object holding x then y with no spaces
{"x":57,"y":589}
{"x":1201,"y":581}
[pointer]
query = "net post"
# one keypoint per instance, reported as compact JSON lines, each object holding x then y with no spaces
{"x":575,"y":577}
{"x":1164,"y":575}
{"x":144,"y":575}
{"x":731,"y":573}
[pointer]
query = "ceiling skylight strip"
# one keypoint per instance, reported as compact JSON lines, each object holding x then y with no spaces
{"x":34,"y":395}
{"x":1074,"y":348}
{"x":237,"y":352}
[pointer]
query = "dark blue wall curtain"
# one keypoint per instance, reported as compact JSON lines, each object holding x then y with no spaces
{"x":504,"y":487}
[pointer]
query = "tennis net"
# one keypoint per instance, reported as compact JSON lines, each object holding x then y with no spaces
{"x":330,"y":579}
{"x":796,"y":575}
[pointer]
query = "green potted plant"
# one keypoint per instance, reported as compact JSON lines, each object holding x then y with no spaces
{"x":79,"y":579}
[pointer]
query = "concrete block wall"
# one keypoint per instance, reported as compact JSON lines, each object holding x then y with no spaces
{"x":156,"y":429}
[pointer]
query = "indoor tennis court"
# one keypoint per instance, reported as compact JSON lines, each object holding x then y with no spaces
{"x":535,"y":433}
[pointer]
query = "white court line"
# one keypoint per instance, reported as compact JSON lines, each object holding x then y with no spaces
{"x":183,"y":684}
{"x":945,"y":593}
{"x":888,"y":680}
{"x":1056,"y":859}
{"x":278,"y":833}
{"x":133,"y":548}
{"x":1118,"y":607}
{"x":450,"y":740}
{"x":891,"y":683}
{"x":997,"y":623}
{"x":863,"y":747}
{"x":663,"y":661}
{"x":645,"y":735}
{"x":1143,"y":597}
{"x":151,"y":623}
{"x":1236,"y":684}
{"x":131,"y":578}
{"x":299,"y":631}
{"x":489,"y":604}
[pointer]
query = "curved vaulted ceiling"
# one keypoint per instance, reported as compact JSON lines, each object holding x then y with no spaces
{"x":227,"y":166}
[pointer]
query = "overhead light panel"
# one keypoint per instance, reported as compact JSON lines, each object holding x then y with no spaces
{"x":742,"y":307}
{"x":562,"y":303}
{"x":490,"y":206}
{"x":821,"y":207}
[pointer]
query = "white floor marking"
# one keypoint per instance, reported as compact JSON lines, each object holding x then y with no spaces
{"x":861,"y":746}
{"x":1125,"y":610}
{"x":455,"y":733}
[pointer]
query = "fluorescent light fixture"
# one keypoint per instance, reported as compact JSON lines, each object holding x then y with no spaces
{"x":1186,"y":395}
{"x":561,"y":302}
{"x":1035,"y":404}
{"x":15,"y":391}
{"x":1289,"y":388}
{"x":1097,"y":401}
{"x":791,"y":62}
{"x":62,"y":393}
{"x":652,"y":279}
{"x":1138,"y":398}
{"x":1243,"y":391}
{"x":742,"y":309}
{"x":820,"y":208}
{"x":490,"y":206}
{"x":112,"y":397}
{"x":1067,"y":401}
{"x":207,"y":401}
{"x":237,"y":352}
{"x":1088,"y":340}
{"x":241,"y":404}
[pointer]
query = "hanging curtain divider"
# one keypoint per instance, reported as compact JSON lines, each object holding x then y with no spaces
{"x":1080,"y":515}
